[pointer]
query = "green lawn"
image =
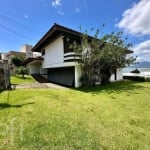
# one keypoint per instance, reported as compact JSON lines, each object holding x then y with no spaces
{"x":112,"y":117}
{"x":20,"y":80}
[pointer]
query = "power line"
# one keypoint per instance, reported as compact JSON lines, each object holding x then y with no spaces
{"x":19,"y":34}
{"x":31,"y":29}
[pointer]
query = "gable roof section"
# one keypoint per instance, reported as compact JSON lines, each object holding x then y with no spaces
{"x":53,"y":32}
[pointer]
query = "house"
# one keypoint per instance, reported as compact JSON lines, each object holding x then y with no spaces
{"x":58,"y":62}
{"x":26,"y":47}
{"x":9,"y":56}
{"x":12,"y":53}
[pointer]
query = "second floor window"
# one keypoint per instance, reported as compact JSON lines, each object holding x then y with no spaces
{"x":43,"y":52}
{"x":68,"y":43}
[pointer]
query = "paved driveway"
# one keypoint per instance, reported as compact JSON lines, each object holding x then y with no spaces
{"x":39,"y":85}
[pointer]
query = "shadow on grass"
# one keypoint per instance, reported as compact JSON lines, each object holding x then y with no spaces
{"x":7,"y":105}
{"x":12,"y":87}
{"x":1,"y":90}
{"x":115,"y":87}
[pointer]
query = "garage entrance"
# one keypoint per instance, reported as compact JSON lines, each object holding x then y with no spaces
{"x":64,"y":76}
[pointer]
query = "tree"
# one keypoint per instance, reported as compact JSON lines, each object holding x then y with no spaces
{"x":101,"y":55}
{"x":18,"y":62}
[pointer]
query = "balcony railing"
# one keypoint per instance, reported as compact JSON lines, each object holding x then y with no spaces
{"x":71,"y":56}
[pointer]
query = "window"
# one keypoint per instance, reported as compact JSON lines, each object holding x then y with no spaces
{"x":68,"y":43}
{"x":43,"y":52}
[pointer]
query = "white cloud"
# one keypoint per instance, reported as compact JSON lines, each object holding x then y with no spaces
{"x":77,"y":10}
{"x":26,"y":16}
{"x":56,"y":3}
{"x":136,"y":20}
{"x":60,"y":12}
{"x":142,"y":50}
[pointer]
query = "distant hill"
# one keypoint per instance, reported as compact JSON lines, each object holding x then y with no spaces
{"x":143,"y":64}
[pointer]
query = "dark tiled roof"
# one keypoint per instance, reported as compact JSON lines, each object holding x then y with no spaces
{"x":53,"y":32}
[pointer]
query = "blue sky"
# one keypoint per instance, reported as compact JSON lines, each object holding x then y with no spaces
{"x":26,"y":21}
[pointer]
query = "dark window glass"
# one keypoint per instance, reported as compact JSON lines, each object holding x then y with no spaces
{"x":43,"y":52}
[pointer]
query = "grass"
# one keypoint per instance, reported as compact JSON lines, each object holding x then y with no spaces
{"x":20,"y":80}
{"x":115,"y":116}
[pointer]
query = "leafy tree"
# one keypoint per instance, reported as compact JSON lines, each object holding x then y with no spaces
{"x":101,"y":56}
{"x":18,"y":62}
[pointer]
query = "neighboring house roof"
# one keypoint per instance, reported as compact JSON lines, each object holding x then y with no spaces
{"x":55,"y":31}
{"x":16,"y":53}
{"x":28,"y":60}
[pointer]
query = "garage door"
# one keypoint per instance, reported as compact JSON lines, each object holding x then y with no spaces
{"x":64,"y":76}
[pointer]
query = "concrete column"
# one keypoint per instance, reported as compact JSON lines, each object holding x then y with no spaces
{"x":78,"y":74}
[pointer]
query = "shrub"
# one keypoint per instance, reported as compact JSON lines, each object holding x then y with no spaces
{"x":21,"y":70}
{"x":147,"y":79}
{"x":135,"y":71}
{"x":135,"y":78}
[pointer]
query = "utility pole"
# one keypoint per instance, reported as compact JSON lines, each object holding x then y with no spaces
{"x":6,"y":74}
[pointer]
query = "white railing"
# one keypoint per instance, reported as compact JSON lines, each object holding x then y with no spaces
{"x":71,"y":56}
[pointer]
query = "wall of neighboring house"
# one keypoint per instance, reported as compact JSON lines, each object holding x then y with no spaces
{"x":4,"y":56}
{"x":25,"y":48}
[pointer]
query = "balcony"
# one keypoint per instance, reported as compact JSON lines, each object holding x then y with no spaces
{"x":71,"y":56}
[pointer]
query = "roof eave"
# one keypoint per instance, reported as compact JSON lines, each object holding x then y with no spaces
{"x":54,"y":29}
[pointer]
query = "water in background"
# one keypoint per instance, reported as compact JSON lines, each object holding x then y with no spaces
{"x":143,"y":71}
{"x":129,"y":69}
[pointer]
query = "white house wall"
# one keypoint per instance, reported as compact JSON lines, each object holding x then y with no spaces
{"x":43,"y":70}
{"x":54,"y":53}
{"x":119,"y":75}
{"x":34,"y":68}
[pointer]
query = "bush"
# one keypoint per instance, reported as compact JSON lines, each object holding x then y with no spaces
{"x":135,"y":78}
{"x":21,"y":70}
{"x":147,"y":79}
{"x":135,"y":71}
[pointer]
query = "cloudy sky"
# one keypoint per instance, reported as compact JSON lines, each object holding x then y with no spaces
{"x":25,"y":21}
